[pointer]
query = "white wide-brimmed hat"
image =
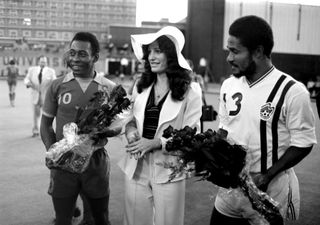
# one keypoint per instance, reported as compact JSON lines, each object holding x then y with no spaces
{"x":173,"y":33}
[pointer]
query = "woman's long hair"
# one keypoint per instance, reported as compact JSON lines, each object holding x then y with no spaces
{"x":179,"y":79}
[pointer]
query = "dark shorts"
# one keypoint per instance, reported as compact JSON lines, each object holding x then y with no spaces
{"x":12,"y":82}
{"x":94,"y":182}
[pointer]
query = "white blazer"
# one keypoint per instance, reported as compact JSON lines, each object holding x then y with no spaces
{"x":39,"y":90}
{"x":178,"y":114}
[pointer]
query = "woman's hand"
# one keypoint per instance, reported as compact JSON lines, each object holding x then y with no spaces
{"x":139,"y":148}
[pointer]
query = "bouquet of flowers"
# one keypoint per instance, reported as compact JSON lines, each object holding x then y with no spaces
{"x":210,"y":156}
{"x":101,"y":118}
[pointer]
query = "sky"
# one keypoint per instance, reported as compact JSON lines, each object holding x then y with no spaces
{"x":155,"y":10}
{"x":176,"y":10}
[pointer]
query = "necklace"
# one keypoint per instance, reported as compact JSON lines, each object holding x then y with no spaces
{"x":159,"y":93}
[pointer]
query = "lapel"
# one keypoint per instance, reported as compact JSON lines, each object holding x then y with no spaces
{"x":170,"y":108}
{"x":140,"y":106}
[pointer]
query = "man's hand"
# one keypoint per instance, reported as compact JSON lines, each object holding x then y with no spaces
{"x":261,"y":180}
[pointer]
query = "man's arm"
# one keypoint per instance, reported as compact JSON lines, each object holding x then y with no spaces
{"x":318,"y":103}
{"x":48,"y":135}
{"x":289,"y":159}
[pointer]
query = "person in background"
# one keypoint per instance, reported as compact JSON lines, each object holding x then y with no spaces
{"x":199,"y":79}
{"x":269,"y":113}
{"x":12,"y":73}
{"x":38,"y":79}
{"x":318,"y":102}
{"x":63,"y":97}
{"x":136,"y":76}
{"x":165,"y":96}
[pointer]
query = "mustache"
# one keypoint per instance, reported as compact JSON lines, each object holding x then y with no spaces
{"x":232,"y":64}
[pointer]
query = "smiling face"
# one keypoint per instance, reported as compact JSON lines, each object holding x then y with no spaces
{"x":157,"y":58}
{"x":80,"y":59}
{"x":240,"y":59}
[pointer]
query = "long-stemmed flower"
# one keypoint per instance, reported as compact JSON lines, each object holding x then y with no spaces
{"x":211,"y":157}
{"x":93,"y":125}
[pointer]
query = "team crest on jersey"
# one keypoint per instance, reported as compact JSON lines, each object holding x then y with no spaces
{"x":266,"y":111}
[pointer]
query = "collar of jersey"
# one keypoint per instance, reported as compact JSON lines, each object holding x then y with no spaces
{"x":70,"y":77}
{"x":261,"y":78}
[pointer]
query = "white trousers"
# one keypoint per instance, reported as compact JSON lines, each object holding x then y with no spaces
{"x":36,"y":118}
{"x":284,"y":189}
{"x":152,"y":203}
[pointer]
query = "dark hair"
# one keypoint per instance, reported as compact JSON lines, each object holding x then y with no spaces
{"x":253,"y":31}
{"x":12,"y":62}
{"x":88,"y":37}
{"x":41,"y":56}
{"x":179,"y":79}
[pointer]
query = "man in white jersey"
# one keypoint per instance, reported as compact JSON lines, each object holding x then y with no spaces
{"x":269,"y":113}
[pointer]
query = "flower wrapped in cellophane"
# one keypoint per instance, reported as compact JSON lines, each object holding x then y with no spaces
{"x":103,"y":117}
{"x":211,"y":157}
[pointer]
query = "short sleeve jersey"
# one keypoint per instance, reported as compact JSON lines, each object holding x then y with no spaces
{"x":13,"y":73}
{"x":65,"y":96}
{"x":267,"y":116}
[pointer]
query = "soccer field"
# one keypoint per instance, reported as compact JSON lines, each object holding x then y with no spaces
{"x":24,"y":178}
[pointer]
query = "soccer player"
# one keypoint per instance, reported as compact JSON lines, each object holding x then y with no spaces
{"x":12,"y":73}
{"x":270,"y":113}
{"x":64,"y":96}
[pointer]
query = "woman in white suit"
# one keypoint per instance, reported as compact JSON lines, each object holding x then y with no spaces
{"x":165,"y":96}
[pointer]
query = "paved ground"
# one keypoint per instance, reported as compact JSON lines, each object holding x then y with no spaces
{"x":24,"y":177}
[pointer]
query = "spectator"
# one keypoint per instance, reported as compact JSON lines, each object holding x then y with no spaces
{"x":38,"y":79}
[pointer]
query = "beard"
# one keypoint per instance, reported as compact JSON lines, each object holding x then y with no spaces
{"x":247,"y":72}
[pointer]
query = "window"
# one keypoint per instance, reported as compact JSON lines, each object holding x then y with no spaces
{"x":66,"y":14}
{"x":67,"y":5}
{"x":53,"y":14}
{"x":26,"y":13}
{"x":79,"y":15}
{"x":40,"y":22}
{"x":40,"y":4}
{"x":1,"y":33}
{"x":52,"y":35}
{"x":66,"y":35}
{"x":53,"y":23}
{"x":92,"y":25}
{"x":26,"y":3}
{"x":26,"y":33}
{"x":79,"y":6}
{"x":79,"y":24}
{"x":92,"y":16}
{"x":54,"y":5}
{"x":40,"y":34}
{"x":13,"y":33}
{"x":13,"y":22}
{"x":13,"y":12}
{"x":93,"y":7}
{"x":40,"y":14}
{"x":66,"y":24}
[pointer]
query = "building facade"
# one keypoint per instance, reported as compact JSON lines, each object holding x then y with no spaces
{"x":55,"y":21}
{"x":296,"y":50}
